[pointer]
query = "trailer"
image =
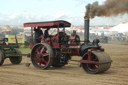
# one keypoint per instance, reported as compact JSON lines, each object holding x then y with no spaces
{"x":9,"y":51}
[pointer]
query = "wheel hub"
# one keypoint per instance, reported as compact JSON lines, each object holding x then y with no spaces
{"x":39,"y":56}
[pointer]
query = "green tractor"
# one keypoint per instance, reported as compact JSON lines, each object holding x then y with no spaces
{"x":9,"y":51}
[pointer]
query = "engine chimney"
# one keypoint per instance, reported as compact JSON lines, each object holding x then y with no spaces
{"x":86,"y":29}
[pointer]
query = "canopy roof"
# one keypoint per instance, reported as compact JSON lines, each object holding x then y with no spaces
{"x":48,"y":24}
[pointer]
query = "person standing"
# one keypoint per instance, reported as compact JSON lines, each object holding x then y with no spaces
{"x":38,"y":33}
{"x":76,"y":38}
{"x":46,"y":34}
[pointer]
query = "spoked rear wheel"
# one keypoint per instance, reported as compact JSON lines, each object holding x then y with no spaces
{"x":100,"y":62}
{"x":42,"y":56}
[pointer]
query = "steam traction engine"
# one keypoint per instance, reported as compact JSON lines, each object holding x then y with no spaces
{"x":56,"y":50}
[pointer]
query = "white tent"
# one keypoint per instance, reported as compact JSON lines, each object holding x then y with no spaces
{"x":121,"y":28}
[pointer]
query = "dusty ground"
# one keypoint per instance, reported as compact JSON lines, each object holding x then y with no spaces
{"x":71,"y":74}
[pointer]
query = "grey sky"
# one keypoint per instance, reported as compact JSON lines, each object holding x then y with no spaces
{"x":17,"y":12}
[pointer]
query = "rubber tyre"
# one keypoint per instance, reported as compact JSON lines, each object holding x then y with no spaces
{"x":1,"y":58}
{"x":16,"y":59}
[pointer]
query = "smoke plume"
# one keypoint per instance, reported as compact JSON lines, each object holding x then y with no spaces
{"x":109,"y":8}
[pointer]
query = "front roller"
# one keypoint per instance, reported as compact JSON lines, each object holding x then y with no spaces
{"x":96,"y":62}
{"x":42,"y":56}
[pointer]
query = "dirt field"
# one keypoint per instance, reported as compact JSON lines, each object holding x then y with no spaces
{"x":71,"y":74}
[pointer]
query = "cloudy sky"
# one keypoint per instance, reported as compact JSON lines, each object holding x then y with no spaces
{"x":17,"y":12}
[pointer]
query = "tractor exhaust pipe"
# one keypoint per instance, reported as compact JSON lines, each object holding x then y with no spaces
{"x":86,"y":29}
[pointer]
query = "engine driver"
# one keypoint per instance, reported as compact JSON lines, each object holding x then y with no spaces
{"x":75,"y":38}
{"x":46,"y":34}
{"x":38,"y":33}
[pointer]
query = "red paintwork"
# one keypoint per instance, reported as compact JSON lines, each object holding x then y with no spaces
{"x":92,"y":61}
{"x":41,"y":56}
{"x":56,"y":45}
{"x":31,"y":33}
{"x":89,"y":54}
{"x":31,"y":45}
{"x":73,"y":50}
{"x":57,"y":34}
{"x":41,"y":38}
{"x":72,"y":38}
{"x":51,"y":24}
{"x":89,"y":62}
{"x":48,"y":40}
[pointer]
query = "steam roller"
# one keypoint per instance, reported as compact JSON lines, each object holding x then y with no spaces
{"x":56,"y":50}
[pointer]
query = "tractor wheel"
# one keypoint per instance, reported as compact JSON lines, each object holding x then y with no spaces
{"x":42,"y":56}
{"x":1,"y":58}
{"x":102,"y":58}
{"x":16,"y":59}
